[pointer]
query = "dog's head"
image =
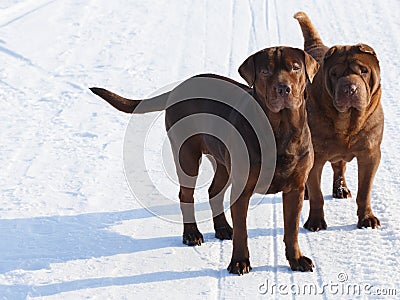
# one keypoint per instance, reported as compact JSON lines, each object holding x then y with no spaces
{"x":351,"y":76}
{"x":279,"y":76}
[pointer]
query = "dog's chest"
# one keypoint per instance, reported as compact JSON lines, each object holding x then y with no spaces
{"x":342,"y":138}
{"x":344,"y":147}
{"x":290,"y":171}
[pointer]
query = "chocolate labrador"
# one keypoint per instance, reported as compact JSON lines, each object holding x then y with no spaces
{"x":276,"y":79}
{"x":346,"y":121}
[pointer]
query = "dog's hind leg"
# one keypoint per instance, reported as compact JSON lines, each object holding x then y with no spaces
{"x":187,"y":161}
{"x":339,"y":189}
{"x":216,"y":191}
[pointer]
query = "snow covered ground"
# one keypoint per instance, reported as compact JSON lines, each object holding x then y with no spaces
{"x":70,"y":227}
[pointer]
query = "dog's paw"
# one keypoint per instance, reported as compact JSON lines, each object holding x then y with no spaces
{"x":303,"y":264}
{"x":368,"y":221}
{"x":224,"y":233}
{"x":340,"y":190}
{"x":240,"y":267}
{"x":315,"y":224}
{"x":194,"y":238}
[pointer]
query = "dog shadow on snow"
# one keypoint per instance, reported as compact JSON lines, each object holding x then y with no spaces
{"x":35,"y":243}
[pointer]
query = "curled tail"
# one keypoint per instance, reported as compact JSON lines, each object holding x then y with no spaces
{"x":157,"y":103}
{"x":313,"y":44}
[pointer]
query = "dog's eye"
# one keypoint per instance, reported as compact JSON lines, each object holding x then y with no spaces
{"x":296,"y":67}
{"x":363,"y":70}
{"x":265,"y":72}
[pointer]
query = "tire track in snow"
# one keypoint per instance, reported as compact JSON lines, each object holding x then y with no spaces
{"x":84,"y":20}
{"x":278,"y":30}
{"x":45,"y":117}
{"x":222,"y":279}
{"x":252,"y":36}
{"x":266,"y":13}
{"x":275,"y":202}
{"x":21,"y":160}
{"x":49,"y":74}
{"x":205,"y":3}
{"x":258,"y":20}
{"x":271,"y":23}
{"x":230,"y":56}
{"x":22,"y":10}
{"x":307,"y":251}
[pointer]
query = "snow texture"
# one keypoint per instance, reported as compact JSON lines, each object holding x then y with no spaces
{"x":70,"y":227}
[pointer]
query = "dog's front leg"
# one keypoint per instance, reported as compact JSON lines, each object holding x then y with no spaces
{"x":316,"y":219}
{"x":292,"y":204}
{"x":367,"y":166}
{"x":240,"y":262}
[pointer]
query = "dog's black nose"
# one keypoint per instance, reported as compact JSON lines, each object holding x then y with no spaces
{"x":349,"y":89}
{"x":283,"y":89}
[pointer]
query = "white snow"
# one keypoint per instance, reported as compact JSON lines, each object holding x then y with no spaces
{"x":69,"y":226}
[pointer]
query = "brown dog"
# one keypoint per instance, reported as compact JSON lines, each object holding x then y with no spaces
{"x":278,"y":76}
{"x":346,"y":121}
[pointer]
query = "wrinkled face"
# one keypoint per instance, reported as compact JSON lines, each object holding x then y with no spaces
{"x":279,"y":76}
{"x":352,"y":76}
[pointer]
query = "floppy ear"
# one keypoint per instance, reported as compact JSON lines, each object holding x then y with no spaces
{"x":366,"y":49}
{"x":375,"y":78}
{"x":247,"y":70}
{"x":312,"y":66}
{"x":330,"y":52}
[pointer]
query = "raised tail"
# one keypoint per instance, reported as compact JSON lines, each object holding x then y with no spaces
{"x":157,"y":103}
{"x":313,"y":44}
